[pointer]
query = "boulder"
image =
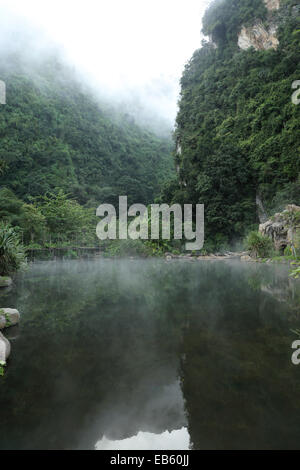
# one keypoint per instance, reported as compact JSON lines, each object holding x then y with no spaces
{"x":8,"y":317}
{"x":246,"y":258}
{"x":283,"y":229}
{"x":4,"y":348}
{"x":5,"y":281}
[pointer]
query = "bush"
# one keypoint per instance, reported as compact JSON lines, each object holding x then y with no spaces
{"x":12,"y":253}
{"x":259,"y":245}
{"x":288,"y":251}
{"x":296,"y":273}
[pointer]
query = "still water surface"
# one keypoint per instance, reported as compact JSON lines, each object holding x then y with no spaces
{"x":144,"y":354}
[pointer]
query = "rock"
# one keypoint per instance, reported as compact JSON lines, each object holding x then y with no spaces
{"x":272,"y":4}
{"x":5,"y":281}
{"x":4,"y":291}
{"x":259,"y":37}
{"x":8,"y":317}
{"x":283,"y":228}
{"x":168,"y":258}
{"x":246,"y":258}
{"x":4,"y":348}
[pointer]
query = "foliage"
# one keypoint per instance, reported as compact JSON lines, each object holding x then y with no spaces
{"x":2,"y":365}
{"x":237,"y":129}
{"x":224,"y":18}
{"x":259,"y":245}
{"x":55,"y":134}
{"x":32,"y":222}
{"x":63,"y":153}
{"x":65,"y":218}
{"x":3,"y":167}
{"x":51,"y":219}
{"x":12,"y":254}
{"x":10,"y":206}
{"x":296,"y":272}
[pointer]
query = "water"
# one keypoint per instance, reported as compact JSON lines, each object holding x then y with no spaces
{"x":142,"y":354}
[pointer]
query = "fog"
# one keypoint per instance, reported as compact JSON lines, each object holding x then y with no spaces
{"x":130,"y":52}
{"x":143,"y":354}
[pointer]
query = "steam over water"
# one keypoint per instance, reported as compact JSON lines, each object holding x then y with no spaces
{"x":141,"y":354}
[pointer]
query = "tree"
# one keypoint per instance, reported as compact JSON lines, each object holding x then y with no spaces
{"x":32,"y":222}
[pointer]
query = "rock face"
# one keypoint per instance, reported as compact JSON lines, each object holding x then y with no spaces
{"x":272,"y":4}
{"x":8,"y":317}
{"x":5,"y":281}
{"x":284,"y":229}
{"x":259,"y":37}
{"x":4,"y":348}
{"x":262,"y":215}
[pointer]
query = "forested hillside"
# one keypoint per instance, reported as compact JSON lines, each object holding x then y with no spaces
{"x":237,"y":132}
{"x":55,"y":134}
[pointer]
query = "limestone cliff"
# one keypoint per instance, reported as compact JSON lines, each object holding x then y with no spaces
{"x":260,"y":36}
{"x":272,"y":4}
{"x":284,"y":229}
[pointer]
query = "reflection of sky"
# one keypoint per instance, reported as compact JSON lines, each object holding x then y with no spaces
{"x":141,"y":420}
{"x":174,"y":440}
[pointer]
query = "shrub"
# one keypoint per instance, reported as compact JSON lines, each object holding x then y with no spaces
{"x":259,"y":245}
{"x":288,"y":251}
{"x":296,"y":273}
{"x":12,"y":253}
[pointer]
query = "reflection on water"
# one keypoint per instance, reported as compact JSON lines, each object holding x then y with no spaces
{"x":148,"y":354}
{"x":174,"y":440}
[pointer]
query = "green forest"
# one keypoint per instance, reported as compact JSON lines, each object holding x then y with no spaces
{"x":63,"y":153}
{"x":236,"y":139}
{"x":150,"y":227}
{"x":237,"y":130}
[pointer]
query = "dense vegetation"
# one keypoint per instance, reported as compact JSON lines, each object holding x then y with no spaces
{"x":237,"y":139}
{"x":258,"y":245}
{"x":63,"y":152}
{"x":223,"y":20}
{"x":238,"y":133}
{"x":54,"y":134}
{"x":12,"y":254}
{"x":49,"y":220}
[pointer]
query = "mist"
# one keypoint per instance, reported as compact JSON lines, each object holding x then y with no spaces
{"x":131,"y":54}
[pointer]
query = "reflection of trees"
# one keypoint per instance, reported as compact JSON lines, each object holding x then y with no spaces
{"x":99,"y":346}
{"x":96,"y":354}
{"x":240,"y":388}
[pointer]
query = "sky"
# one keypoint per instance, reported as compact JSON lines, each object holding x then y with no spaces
{"x":123,"y":46}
